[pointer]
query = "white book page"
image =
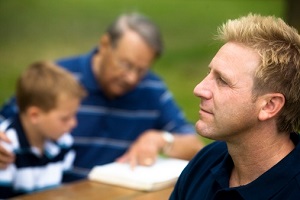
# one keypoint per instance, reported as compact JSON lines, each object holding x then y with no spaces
{"x":163,"y":173}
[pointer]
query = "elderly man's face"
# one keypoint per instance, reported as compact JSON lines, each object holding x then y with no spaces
{"x":123,"y":66}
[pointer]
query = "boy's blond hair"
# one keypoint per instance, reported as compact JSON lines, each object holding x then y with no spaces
{"x":42,"y":83}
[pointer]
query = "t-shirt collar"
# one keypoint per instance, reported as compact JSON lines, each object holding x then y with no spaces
{"x":267,"y":184}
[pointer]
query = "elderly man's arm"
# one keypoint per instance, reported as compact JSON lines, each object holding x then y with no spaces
{"x":151,"y":143}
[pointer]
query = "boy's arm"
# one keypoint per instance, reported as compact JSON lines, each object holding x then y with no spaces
{"x":7,"y":177}
{"x":8,"y":110}
{"x":6,"y":180}
{"x":6,"y":191}
{"x":6,"y":157}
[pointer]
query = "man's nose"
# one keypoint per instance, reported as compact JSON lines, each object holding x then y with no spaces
{"x":203,"y":89}
{"x":132,"y":77}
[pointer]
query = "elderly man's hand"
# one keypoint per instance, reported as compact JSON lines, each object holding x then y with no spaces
{"x":144,"y":150}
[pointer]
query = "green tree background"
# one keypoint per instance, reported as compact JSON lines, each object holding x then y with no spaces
{"x":33,"y":30}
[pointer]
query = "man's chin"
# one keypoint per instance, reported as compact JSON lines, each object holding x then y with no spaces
{"x":123,"y":90}
{"x":117,"y":93}
{"x":202,"y":128}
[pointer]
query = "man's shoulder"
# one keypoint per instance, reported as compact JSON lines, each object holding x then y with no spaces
{"x":76,"y":62}
{"x":151,"y":75}
{"x":152,"y":80}
{"x":71,"y":63}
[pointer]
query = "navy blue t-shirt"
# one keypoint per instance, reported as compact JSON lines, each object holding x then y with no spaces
{"x":207,"y":177}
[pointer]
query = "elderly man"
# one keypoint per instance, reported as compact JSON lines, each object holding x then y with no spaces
{"x":129,"y":115}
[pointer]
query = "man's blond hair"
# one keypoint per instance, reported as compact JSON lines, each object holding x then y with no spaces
{"x":279,"y":48}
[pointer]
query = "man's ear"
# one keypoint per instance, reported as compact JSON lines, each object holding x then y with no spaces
{"x":105,"y":42}
{"x":271,"y":105}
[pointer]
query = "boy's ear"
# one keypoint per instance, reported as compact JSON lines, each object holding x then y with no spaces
{"x":271,"y":105}
{"x":33,"y":113}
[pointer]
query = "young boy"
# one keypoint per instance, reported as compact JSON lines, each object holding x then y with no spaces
{"x":48,"y":98}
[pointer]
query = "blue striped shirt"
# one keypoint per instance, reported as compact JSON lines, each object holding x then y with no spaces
{"x":107,"y":127}
{"x":33,"y":170}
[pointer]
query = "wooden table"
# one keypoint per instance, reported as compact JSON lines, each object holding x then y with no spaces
{"x":90,"y":190}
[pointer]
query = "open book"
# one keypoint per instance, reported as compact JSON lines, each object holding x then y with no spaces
{"x":162,"y":174}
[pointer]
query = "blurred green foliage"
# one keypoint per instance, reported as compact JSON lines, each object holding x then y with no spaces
{"x":33,"y":30}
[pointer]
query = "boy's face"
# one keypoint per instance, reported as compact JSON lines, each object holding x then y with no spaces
{"x":54,"y":123}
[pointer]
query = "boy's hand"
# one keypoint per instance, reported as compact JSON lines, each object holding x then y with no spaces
{"x":6,"y":157}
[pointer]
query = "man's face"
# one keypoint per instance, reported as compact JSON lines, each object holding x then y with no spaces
{"x":227,"y":106}
{"x":123,"y":66}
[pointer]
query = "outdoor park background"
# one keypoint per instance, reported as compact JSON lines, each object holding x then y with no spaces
{"x":33,"y":30}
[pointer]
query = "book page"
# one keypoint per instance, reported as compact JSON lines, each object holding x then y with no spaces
{"x":163,"y":173}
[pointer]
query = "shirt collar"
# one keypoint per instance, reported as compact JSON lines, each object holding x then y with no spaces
{"x":88,"y":78}
{"x":267,"y":184}
{"x":51,"y":148}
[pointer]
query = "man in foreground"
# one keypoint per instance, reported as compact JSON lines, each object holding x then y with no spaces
{"x":249,"y":103}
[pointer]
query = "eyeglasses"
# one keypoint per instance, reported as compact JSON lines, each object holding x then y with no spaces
{"x":128,"y":67}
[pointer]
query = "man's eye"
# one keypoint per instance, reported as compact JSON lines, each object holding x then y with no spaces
{"x":221,"y":81}
{"x":126,"y":65}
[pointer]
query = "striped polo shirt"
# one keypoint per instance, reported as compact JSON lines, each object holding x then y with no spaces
{"x":33,"y":170}
{"x":107,"y":127}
